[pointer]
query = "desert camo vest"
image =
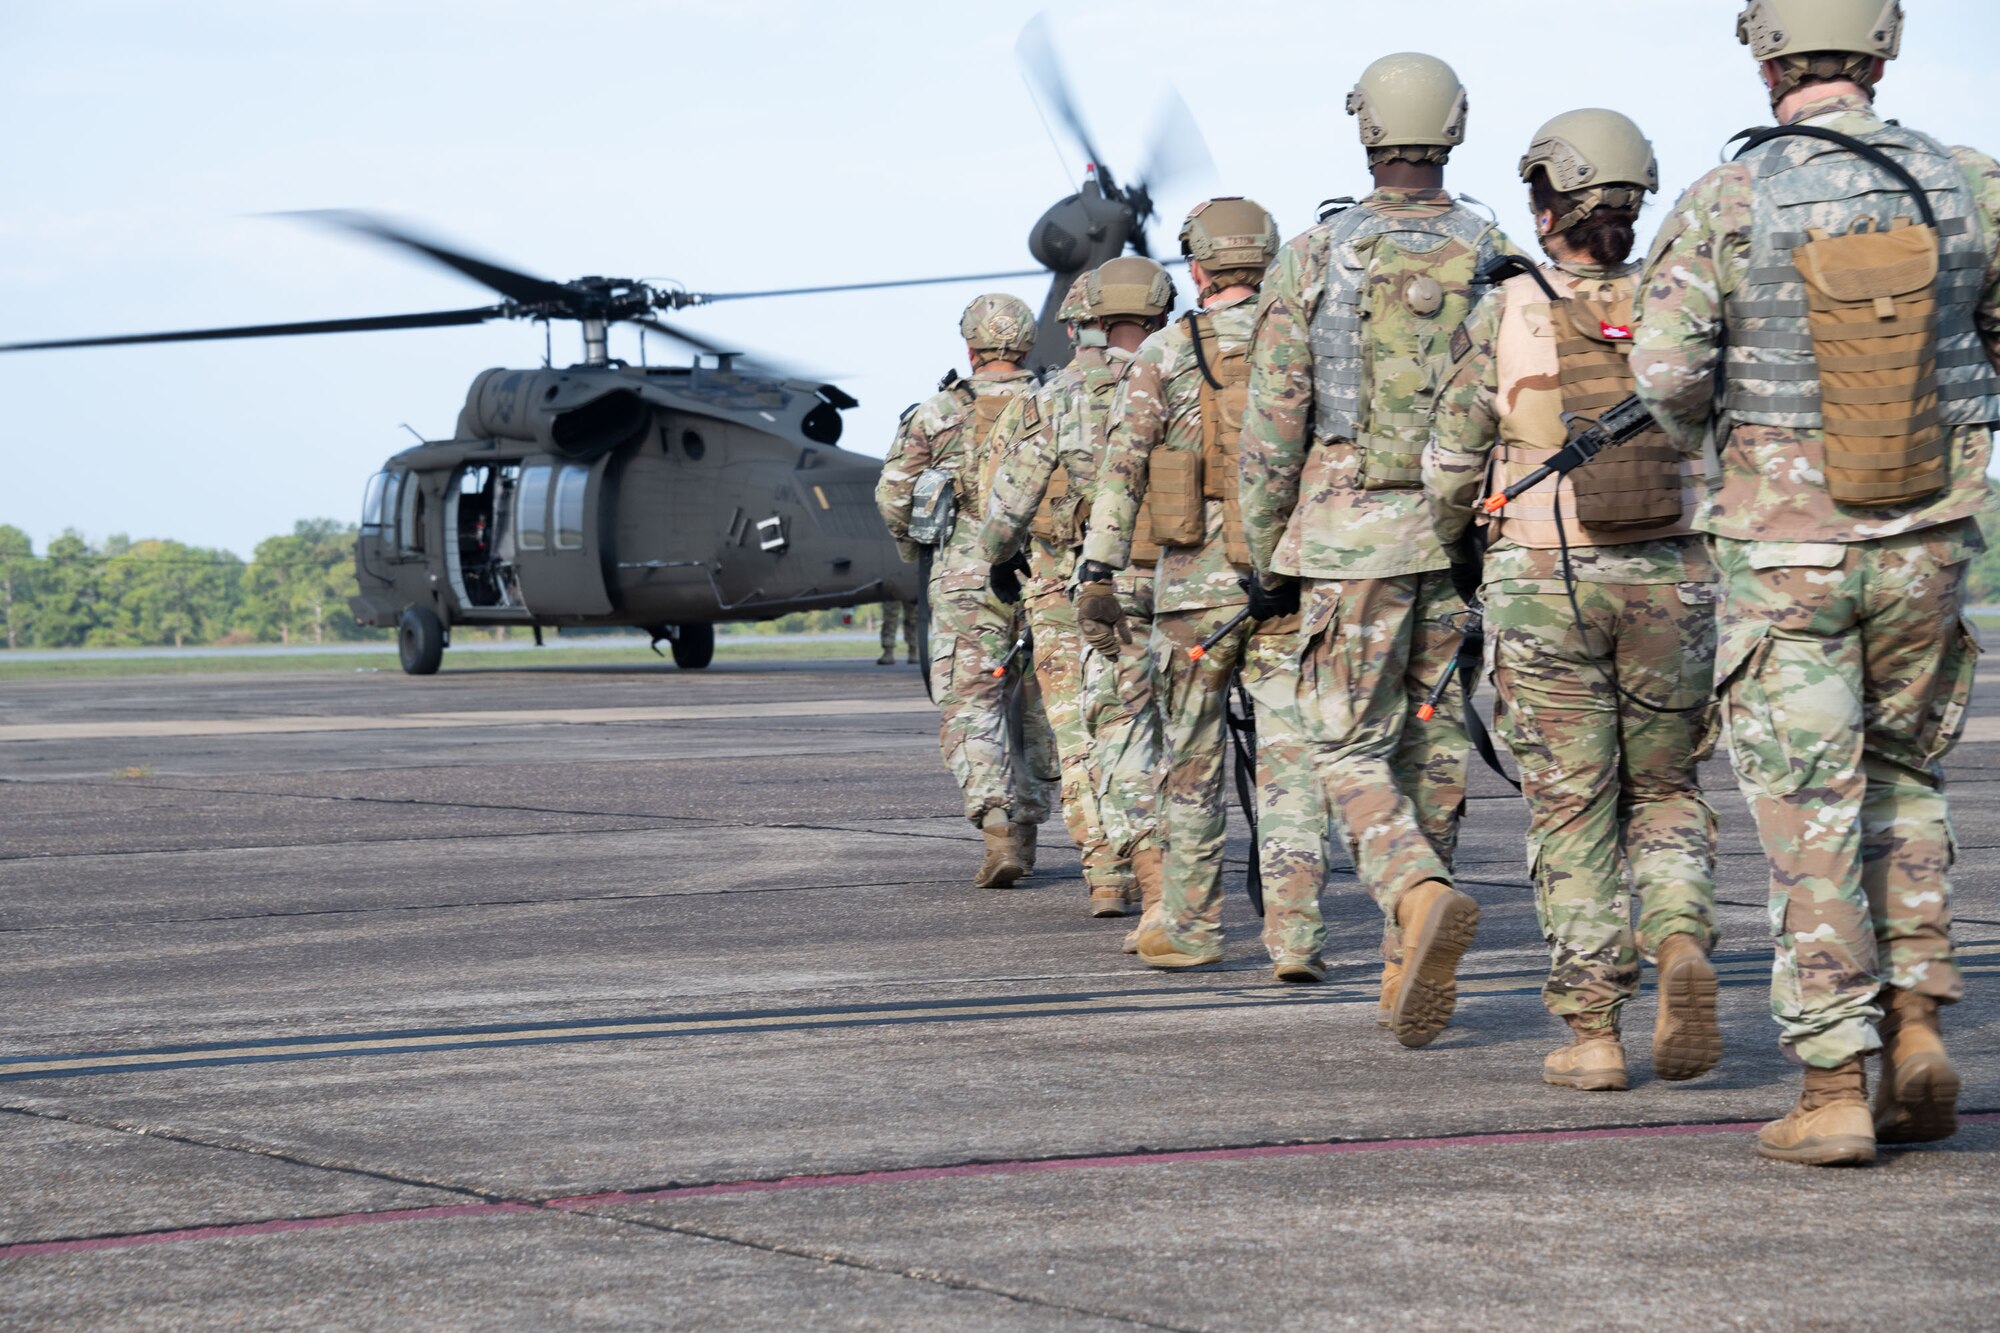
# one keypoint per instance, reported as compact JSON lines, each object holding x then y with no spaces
{"x":1570,"y":357}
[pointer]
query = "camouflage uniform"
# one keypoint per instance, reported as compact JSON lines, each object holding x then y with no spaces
{"x":1845,"y":664}
{"x":1377,"y":591}
{"x":1196,"y":590}
{"x":1033,"y":438}
{"x":891,"y":613}
{"x":993,"y":731}
{"x":1292,"y":817}
{"x":1611,"y":785}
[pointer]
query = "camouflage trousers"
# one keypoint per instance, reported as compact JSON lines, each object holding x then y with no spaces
{"x":1611,"y":786}
{"x":1844,"y":675}
{"x":993,"y":732}
{"x":1370,"y":650}
{"x":1059,"y":674}
{"x":906,"y":612}
{"x":1122,"y":714}
{"x":1292,"y":817}
{"x":1192,"y":812}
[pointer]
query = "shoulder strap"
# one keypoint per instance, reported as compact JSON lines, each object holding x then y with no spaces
{"x":1506,"y":266}
{"x":1199,"y":331}
{"x":1859,"y":147}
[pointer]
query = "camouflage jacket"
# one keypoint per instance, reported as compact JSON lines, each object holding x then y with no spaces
{"x":1159,"y":403}
{"x":1063,"y":423}
{"x":1304,"y":511}
{"x":937,"y":433}
{"x":1456,"y":477}
{"x":1771,"y":484}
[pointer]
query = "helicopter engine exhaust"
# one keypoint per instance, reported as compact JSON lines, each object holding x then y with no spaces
{"x":576,"y":416}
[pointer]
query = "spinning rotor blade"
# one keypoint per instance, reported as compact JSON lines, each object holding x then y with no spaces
{"x":511,"y":283}
{"x":368,"y":324}
{"x":709,"y":298}
{"x":754,"y":362}
{"x":1177,"y":151}
{"x":1038,"y":57}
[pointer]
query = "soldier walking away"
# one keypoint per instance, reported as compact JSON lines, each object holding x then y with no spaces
{"x":991,"y":727}
{"x":1042,"y":463}
{"x":1354,"y":315}
{"x":891,"y":611}
{"x":1838,"y":284}
{"x":1599,"y":603}
{"x":1172,"y":446}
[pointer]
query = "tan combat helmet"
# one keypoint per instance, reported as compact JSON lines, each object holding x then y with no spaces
{"x":1129,"y":288}
{"x":1233,"y":239}
{"x":1411,"y":107}
{"x":1075,"y":308}
{"x":1598,"y":155}
{"x":997,"y":327}
{"x":1822,"y":39}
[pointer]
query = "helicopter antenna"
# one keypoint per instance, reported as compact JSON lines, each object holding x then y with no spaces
{"x":413,"y":432}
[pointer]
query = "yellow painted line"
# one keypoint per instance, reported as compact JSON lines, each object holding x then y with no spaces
{"x":142,"y":729}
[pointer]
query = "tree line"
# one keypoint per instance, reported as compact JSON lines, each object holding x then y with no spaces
{"x":121,"y":593}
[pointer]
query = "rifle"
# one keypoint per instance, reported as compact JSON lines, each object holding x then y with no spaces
{"x":1619,"y":423}
{"x":1239,"y":715}
{"x":1012,"y":653}
{"x":1202,"y":649}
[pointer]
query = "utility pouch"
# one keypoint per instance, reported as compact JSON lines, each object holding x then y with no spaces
{"x":1145,"y":551}
{"x":1173,"y":489}
{"x":1389,"y":461}
{"x":1055,"y":518}
{"x":1872,"y":311}
{"x":1638,"y":484}
{"x":1223,"y":393}
{"x":933,"y":506}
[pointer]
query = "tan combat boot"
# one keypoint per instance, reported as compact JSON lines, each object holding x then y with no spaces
{"x":1002,"y":865}
{"x":888,"y":657}
{"x":1437,"y":922}
{"x":1686,"y":1040}
{"x":1146,"y":870}
{"x":1916,"y":1100}
{"x":1300,"y":971}
{"x":1112,"y":899}
{"x":1392,"y":979}
{"x":1025,"y":836}
{"x":1830,"y":1126}
{"x":1593,"y":1060}
{"x":1157,"y":949}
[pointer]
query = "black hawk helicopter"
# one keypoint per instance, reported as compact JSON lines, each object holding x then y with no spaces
{"x":666,"y":498}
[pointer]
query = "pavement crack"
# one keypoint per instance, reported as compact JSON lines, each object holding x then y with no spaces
{"x":252,"y":1150}
{"x":840,"y":1258}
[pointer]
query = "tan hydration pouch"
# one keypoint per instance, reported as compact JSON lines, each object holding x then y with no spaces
{"x":1173,"y":489}
{"x":1872,"y":309}
{"x":1223,"y":401}
{"x":1638,"y":484}
{"x":1055,"y":518}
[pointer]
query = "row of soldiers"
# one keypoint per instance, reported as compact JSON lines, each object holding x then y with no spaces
{"x":1282,"y":491}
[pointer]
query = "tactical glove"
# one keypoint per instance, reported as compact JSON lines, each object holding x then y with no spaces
{"x":1272,"y":603}
{"x":1101,"y":618}
{"x":1005,"y":578}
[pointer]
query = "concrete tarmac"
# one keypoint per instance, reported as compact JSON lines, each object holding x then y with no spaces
{"x":652,"y":999}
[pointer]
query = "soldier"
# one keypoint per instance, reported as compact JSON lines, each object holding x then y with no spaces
{"x":991,"y":726}
{"x":1048,"y":445}
{"x":890,"y":613}
{"x":1172,"y":446}
{"x":1603,"y":700}
{"x":1841,"y":279}
{"x":1353,"y":316}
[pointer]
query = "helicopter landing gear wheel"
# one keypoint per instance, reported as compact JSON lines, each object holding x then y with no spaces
{"x":694,"y":647}
{"x":420,"y":641}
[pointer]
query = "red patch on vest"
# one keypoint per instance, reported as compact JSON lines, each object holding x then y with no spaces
{"x":1615,"y":332}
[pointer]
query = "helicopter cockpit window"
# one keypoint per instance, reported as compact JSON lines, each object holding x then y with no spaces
{"x":570,"y":489}
{"x":371,"y":502}
{"x":692,"y":446}
{"x":410,"y":518}
{"x":534,"y":521}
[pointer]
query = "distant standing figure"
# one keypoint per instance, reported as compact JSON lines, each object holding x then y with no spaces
{"x":891,"y":611}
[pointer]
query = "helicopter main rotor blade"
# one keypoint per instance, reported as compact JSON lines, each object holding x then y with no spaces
{"x":436,"y":319}
{"x":755,"y":362}
{"x":1177,"y":151}
{"x":709,"y":298}
{"x":511,"y":283}
{"x":1037,"y":55}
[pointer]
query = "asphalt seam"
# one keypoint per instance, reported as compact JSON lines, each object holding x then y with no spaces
{"x":932,"y":1276}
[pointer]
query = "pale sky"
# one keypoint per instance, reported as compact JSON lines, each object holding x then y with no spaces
{"x":739,"y":145}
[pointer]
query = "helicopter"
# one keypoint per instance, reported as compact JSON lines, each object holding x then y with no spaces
{"x":663,"y":498}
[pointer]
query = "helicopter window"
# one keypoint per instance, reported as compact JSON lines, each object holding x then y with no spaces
{"x":371,"y":503}
{"x":692,"y":446}
{"x":534,"y":521}
{"x":410,"y":518}
{"x":570,"y":489}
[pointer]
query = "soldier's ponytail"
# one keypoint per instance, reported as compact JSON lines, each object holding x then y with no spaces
{"x":1606,"y":232}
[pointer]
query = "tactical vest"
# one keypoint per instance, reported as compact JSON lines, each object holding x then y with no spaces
{"x":974,"y":464}
{"x":1181,"y":481}
{"x":1571,"y":356}
{"x":1858,"y":351}
{"x":1394,"y":288}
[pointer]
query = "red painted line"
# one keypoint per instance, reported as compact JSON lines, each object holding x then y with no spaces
{"x":906,"y":1175}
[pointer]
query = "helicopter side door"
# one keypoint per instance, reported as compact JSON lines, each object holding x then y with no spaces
{"x":560,"y":538}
